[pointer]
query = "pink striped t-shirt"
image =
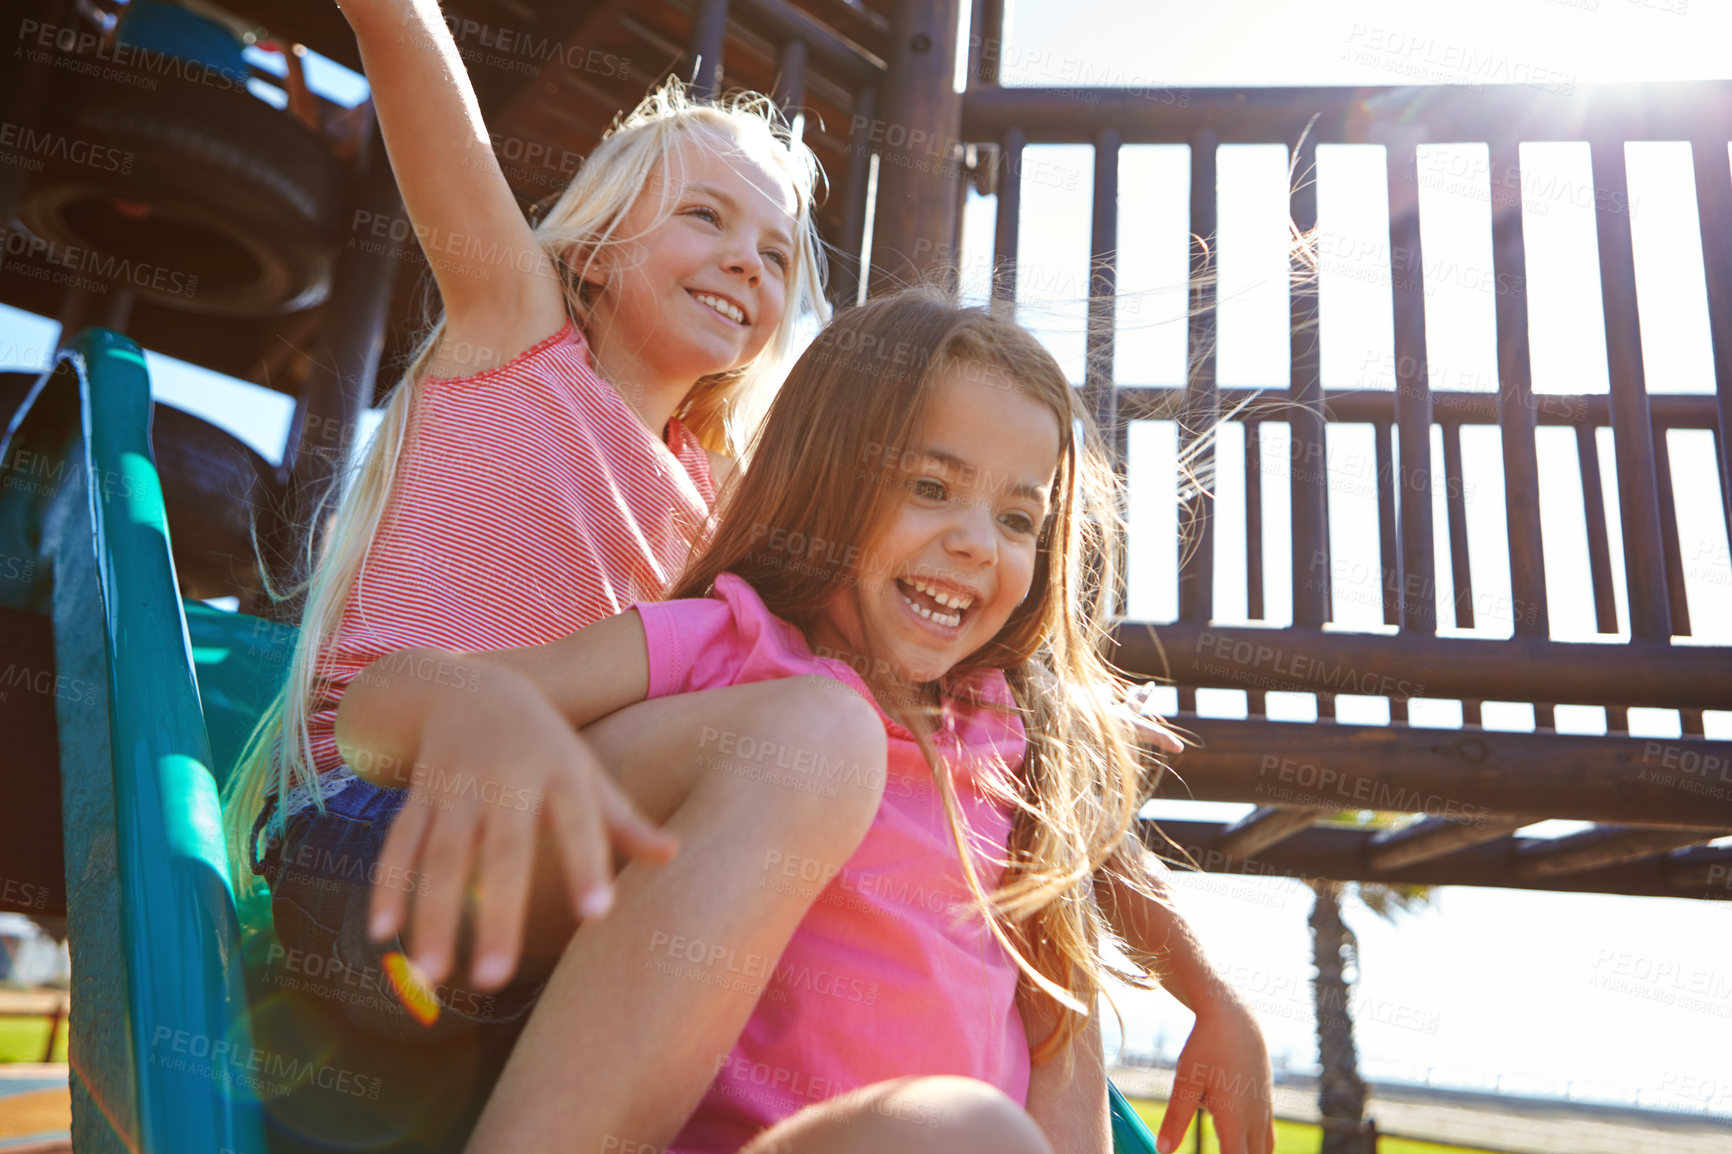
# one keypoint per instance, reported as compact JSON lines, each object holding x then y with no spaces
{"x":529,"y":501}
{"x":892,"y":972}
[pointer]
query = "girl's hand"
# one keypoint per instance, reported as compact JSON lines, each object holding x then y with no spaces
{"x":1223,"y":1068}
{"x":497,"y":765}
{"x":1138,"y":709}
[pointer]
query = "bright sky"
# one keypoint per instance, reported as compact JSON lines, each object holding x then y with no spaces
{"x":1492,"y":987}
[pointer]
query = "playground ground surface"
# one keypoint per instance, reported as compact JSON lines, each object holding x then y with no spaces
{"x":35,"y":1114}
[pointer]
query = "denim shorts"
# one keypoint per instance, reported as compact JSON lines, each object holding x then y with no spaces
{"x":322,"y":868}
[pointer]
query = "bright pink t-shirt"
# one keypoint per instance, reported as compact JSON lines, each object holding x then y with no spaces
{"x":880,"y":980}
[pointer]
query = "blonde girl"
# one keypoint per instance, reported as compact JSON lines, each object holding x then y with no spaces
{"x":550,"y":457}
{"x":921,"y":532}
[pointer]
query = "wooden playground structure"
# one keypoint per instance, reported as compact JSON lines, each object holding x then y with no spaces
{"x":112,"y":770}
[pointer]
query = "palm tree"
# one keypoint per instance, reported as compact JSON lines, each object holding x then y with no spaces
{"x":1340,"y":1089}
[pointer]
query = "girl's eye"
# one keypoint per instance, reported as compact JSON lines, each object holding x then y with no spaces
{"x":707,"y":213}
{"x":1019,"y":522}
{"x":779,"y":258}
{"x":928,"y":488}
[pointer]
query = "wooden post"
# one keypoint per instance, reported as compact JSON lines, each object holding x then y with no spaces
{"x":1308,"y":480}
{"x":1515,"y":411}
{"x":791,"y":77}
{"x":709,"y":30}
{"x":919,"y":143}
{"x":339,"y":385}
{"x":1202,"y":401}
{"x":56,"y":1019}
{"x":1007,"y":238}
{"x":1416,"y":582}
{"x":1632,"y":422}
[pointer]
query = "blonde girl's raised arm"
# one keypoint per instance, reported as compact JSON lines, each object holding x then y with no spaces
{"x":501,"y":292}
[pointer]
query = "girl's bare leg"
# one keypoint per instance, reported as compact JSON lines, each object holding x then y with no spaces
{"x":939,"y":1115}
{"x":645,"y":1003}
{"x":658,"y":749}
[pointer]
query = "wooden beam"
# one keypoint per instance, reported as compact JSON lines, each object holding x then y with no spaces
{"x":501,"y":101}
{"x":1377,"y":406}
{"x":1603,"y":846}
{"x":841,"y":56}
{"x":1156,"y":114}
{"x":1431,"y":837}
{"x":1265,"y":826}
{"x":1470,"y":775}
{"x":1518,"y":669}
{"x":1341,"y":855}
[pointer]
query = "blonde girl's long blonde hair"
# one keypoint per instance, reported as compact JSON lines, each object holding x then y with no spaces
{"x":582,"y":227}
{"x":826,"y":470}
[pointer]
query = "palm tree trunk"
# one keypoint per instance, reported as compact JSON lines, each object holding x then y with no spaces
{"x":1340,"y":1091}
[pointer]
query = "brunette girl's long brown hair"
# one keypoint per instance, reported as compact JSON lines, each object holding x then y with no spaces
{"x":825,"y":478}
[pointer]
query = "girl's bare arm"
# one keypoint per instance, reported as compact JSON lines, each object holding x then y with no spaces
{"x":1225,"y":1063}
{"x":500,"y":291}
{"x":489,"y":761}
{"x":1072,"y":1112}
{"x":584,"y":676}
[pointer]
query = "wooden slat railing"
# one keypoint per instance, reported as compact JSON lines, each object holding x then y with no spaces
{"x":1599,"y":774}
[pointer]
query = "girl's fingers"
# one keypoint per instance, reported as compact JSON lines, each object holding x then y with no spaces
{"x":507,"y":866}
{"x":629,"y":829}
{"x":1181,"y":1107}
{"x":1230,"y":1133}
{"x":583,"y":850}
{"x":1156,"y":735}
{"x":1232,"y":1142}
{"x":396,"y":859}
{"x":445,"y":863}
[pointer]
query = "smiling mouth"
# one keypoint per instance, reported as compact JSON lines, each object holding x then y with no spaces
{"x":940,"y":606}
{"x":722,"y":307}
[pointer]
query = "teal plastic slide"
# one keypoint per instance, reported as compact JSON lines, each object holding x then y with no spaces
{"x":153,"y":698}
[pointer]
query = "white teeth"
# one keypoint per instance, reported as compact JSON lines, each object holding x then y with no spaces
{"x":944,"y":597}
{"x":950,"y":619}
{"x":726,"y":308}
